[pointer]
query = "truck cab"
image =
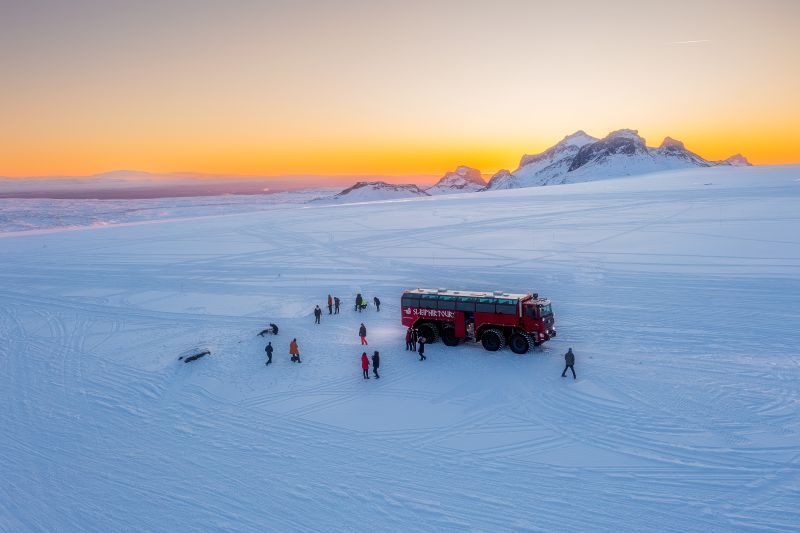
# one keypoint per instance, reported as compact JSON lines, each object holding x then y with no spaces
{"x":537,"y":317}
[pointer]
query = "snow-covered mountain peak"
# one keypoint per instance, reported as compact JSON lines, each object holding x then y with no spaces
{"x":672,"y":151}
{"x":566,"y":146}
{"x":468,"y":172}
{"x":617,"y":143}
{"x":625,"y":134}
{"x":737,"y":160}
{"x":462,"y":179}
{"x":672,"y":144}
{"x":580,"y":157}
{"x":503,"y":179}
{"x":579,"y":138}
{"x":365,"y":191}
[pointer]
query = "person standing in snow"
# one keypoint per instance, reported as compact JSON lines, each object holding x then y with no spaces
{"x":330,"y":304}
{"x":377,"y":303}
{"x":365,"y":365}
{"x":362,"y":332}
{"x":422,"y":349}
{"x":294,"y":351}
{"x":336,"y":302}
{"x":359,"y":302}
{"x":268,"y":349}
{"x":414,"y":338}
{"x":317,"y":314}
{"x":376,"y":362}
{"x":569,"y":358}
{"x":409,"y":344}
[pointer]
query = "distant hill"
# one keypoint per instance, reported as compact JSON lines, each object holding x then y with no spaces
{"x":366,"y":191}
{"x":462,"y":179}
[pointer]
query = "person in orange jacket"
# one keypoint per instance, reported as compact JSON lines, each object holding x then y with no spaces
{"x":365,"y":365}
{"x":330,"y":304}
{"x":294,"y":351}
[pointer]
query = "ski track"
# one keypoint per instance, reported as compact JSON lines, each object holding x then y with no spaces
{"x":683,"y":316}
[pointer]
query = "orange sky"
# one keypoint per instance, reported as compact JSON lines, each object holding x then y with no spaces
{"x":400,"y":88}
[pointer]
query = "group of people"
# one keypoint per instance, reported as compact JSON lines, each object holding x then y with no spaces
{"x":414,"y":339}
{"x":376,"y":363}
{"x":294,"y":352}
{"x":334,"y":302}
{"x":361,"y":303}
{"x":333,"y":309}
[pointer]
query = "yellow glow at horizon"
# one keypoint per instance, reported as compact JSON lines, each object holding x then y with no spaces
{"x":389,"y":89}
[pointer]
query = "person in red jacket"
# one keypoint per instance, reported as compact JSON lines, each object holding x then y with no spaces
{"x":365,"y":365}
{"x":330,"y":304}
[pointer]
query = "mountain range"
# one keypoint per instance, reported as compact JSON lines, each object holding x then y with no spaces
{"x":462,"y":179}
{"x":576,"y":158}
{"x":580,"y":157}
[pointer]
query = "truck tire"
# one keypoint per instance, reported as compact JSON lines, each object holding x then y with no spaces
{"x":520,"y":343}
{"x":429,"y":331}
{"x":449,"y":335}
{"x":493,"y":340}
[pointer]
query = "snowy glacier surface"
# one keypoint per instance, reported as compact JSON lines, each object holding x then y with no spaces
{"x":678,"y":292}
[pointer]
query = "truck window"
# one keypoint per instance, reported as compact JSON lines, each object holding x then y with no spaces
{"x":466,"y":304}
{"x":428,"y":301}
{"x":485,"y":305}
{"x":408,"y":301}
{"x":447,"y":302}
{"x":505,"y":309}
{"x":545,"y":310}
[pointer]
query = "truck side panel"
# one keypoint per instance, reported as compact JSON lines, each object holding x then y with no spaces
{"x":412,"y":314}
{"x":495,"y":319}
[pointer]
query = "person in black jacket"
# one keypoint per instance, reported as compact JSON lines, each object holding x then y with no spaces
{"x":422,"y":349}
{"x":317,"y":314}
{"x":414,"y":339}
{"x":569,"y":358}
{"x":359,"y":302}
{"x":268,"y":349}
{"x":377,"y":303}
{"x":362,"y":332}
{"x":376,"y":362}
{"x":336,"y":302}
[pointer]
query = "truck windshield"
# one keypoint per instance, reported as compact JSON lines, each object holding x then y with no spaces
{"x":545,"y":310}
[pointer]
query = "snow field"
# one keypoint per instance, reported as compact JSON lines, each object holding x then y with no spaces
{"x":677,"y":291}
